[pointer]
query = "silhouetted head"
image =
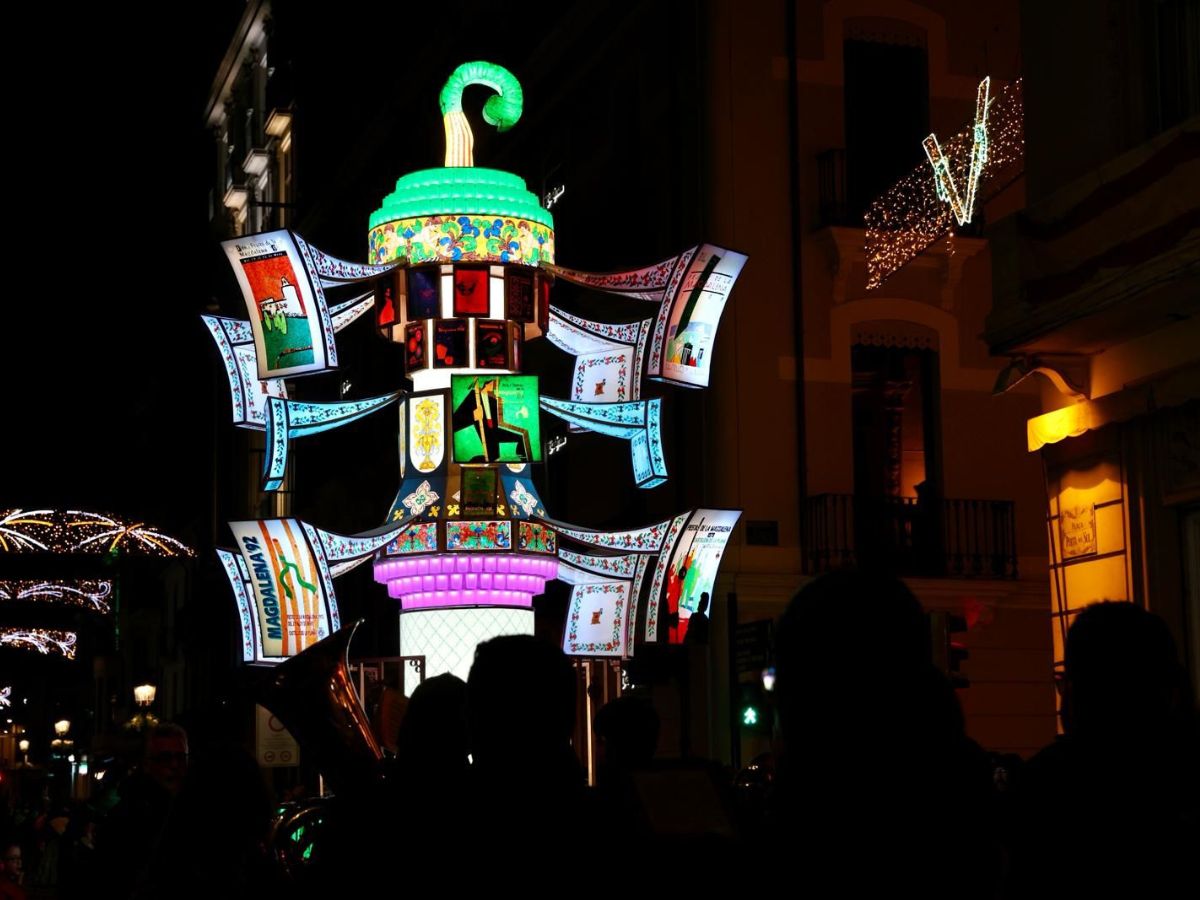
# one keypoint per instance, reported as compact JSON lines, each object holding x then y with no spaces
{"x":627,"y":729}
{"x":166,"y":756}
{"x":848,"y":645}
{"x":521,"y":701}
{"x":434,"y":729}
{"x":10,"y":862}
{"x":1121,"y":668}
{"x":702,"y":606}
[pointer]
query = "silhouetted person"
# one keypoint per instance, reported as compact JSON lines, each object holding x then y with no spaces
{"x":131,"y":837}
{"x":697,"y":624}
{"x":879,"y":791}
{"x":11,"y":872}
{"x":432,"y":765}
{"x":528,"y":788}
{"x":626,"y":737}
{"x":1113,"y":806}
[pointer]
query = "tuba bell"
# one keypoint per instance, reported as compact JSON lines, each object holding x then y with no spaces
{"x":313,"y":695}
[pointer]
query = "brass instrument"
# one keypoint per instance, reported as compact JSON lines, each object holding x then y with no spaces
{"x":313,"y":695}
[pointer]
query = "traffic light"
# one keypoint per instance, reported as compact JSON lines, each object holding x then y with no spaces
{"x":948,"y":654}
{"x":754,"y":713}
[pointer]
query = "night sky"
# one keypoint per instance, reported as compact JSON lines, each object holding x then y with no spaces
{"x":108,"y":170}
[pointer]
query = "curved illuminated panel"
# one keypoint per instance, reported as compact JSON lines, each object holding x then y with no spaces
{"x":76,"y":531}
{"x":461,"y":215}
{"x":44,"y":640}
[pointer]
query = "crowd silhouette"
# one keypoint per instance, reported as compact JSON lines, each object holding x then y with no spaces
{"x":873,"y":787}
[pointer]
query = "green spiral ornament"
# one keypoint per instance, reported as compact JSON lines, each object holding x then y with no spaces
{"x":501,"y":110}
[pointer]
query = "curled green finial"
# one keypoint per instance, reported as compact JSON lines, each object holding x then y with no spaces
{"x":502,"y":110}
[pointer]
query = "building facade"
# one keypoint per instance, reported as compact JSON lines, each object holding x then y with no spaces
{"x":860,"y":423}
{"x":1097,"y":299}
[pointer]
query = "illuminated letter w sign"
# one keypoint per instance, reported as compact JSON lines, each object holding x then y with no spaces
{"x":944,"y":179}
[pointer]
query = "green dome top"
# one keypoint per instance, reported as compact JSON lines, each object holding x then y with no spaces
{"x":461,"y":190}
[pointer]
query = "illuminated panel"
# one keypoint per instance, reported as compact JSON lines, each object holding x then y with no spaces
{"x":467,"y":579}
{"x":639,"y":540}
{"x":6,"y":697}
{"x":467,"y":237}
{"x":519,"y":492}
{"x":235,"y":342}
{"x":447,"y":638}
{"x":87,"y":593}
{"x":653,"y":599}
{"x":910,"y":215}
{"x":686,"y":329}
{"x":694,"y":561}
{"x":289,"y":594}
{"x":327,"y":573}
{"x":596,"y":619}
{"x":639,"y":577}
{"x":652,"y":283}
{"x":342,"y":548}
{"x":44,"y":640}
{"x":576,"y":335}
{"x":495,"y":419}
{"x":427,"y":431}
{"x":482,"y":535}
{"x":240,"y":582}
{"x":622,"y":566}
{"x":75,"y":531}
{"x":568,"y":574}
{"x":943,"y":178}
{"x":345,"y":313}
{"x":603,"y":377}
{"x":275,"y":454}
{"x":534,"y":537}
{"x":420,"y":537}
{"x":293,"y":333}
{"x":640,"y":423}
{"x":333,"y":271}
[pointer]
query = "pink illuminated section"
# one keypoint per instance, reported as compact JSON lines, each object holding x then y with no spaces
{"x":466,"y":579}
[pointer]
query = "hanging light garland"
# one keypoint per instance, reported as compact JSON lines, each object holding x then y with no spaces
{"x":44,"y":640}
{"x":88,"y":593}
{"x":74,"y":531}
{"x":921,"y":207}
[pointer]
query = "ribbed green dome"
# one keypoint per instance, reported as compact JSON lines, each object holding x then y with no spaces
{"x":451,"y":191}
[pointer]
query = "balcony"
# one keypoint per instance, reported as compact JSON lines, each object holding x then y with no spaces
{"x":942,"y":539}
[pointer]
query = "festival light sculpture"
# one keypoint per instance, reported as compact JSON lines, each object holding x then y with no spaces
{"x":463,"y":262}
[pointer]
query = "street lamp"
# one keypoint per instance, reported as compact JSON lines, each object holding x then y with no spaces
{"x":61,"y":727}
{"x":23,"y":745}
{"x":144,"y":694}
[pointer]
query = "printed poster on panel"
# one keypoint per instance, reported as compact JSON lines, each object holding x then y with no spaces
{"x":495,"y":419}
{"x":287,"y":313}
{"x":696,"y":312}
{"x":696,"y":558}
{"x":289,"y":600}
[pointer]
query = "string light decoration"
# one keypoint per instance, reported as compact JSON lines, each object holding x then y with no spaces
{"x":943,"y":178}
{"x":74,"y":531}
{"x":88,"y":593}
{"x":44,"y":640}
{"x":920,"y":208}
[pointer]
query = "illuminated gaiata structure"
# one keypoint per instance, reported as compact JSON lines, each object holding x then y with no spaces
{"x":460,"y":272}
